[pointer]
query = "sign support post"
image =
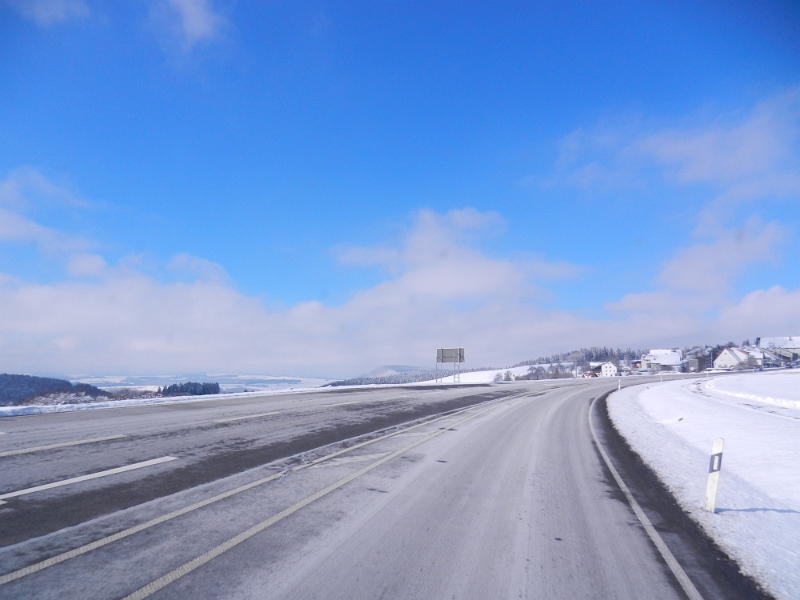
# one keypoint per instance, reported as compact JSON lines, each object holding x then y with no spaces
{"x":450,"y":355}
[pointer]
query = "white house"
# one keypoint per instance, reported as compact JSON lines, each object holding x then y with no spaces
{"x":608,"y":370}
{"x":788,"y":348}
{"x":762,"y":357}
{"x":668,"y":359}
{"x":731,"y":358}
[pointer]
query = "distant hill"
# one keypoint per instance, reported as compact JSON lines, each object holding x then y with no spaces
{"x":391,"y":370}
{"x":16,"y":389}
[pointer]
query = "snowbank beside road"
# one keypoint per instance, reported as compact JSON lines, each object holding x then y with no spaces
{"x":672,"y":426}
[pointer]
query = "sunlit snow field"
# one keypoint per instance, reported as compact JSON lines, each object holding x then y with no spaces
{"x":672,"y":426}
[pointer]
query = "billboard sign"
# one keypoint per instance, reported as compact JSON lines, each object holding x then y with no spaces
{"x":449,"y":355}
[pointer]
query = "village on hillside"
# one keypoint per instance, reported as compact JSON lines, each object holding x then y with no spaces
{"x":764,"y":353}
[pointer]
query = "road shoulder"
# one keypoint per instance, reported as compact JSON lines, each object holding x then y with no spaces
{"x":713,"y":572}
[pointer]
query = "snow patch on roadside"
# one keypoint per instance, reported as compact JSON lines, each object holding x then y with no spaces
{"x":672,"y":426}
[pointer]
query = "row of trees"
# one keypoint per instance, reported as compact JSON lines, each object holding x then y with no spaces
{"x":537,"y":372}
{"x":190,"y":388}
{"x":18,"y":389}
{"x":585,"y":356}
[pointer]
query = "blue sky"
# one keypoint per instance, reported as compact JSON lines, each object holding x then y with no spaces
{"x":319,"y":188}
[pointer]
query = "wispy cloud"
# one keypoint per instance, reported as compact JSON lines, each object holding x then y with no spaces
{"x":25,"y":186}
{"x":24,"y":189}
{"x":444,"y":291}
{"x":714,"y":267}
{"x":16,"y":228}
{"x":46,"y":13}
{"x":740,"y":157}
{"x":186,"y":266}
{"x":188,"y":22}
{"x":430,"y":240}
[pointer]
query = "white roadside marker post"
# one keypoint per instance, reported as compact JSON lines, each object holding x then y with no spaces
{"x":712,"y":484}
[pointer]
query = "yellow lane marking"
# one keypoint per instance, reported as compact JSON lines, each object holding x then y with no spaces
{"x":246,"y":417}
{"x":192,"y":507}
{"x":62,"y":445}
{"x":190,"y":566}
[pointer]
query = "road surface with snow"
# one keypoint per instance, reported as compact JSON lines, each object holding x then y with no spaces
{"x":467,"y":492}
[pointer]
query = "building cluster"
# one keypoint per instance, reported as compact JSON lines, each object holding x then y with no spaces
{"x":765,"y":353}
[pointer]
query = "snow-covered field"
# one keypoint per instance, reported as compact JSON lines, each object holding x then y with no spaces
{"x":34,"y":409}
{"x":487,"y":376}
{"x":672,"y":426}
{"x":479,"y":376}
{"x":228,"y":383}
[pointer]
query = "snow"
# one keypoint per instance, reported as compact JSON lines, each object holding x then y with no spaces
{"x":229,"y":383}
{"x":672,"y":426}
{"x":487,"y":376}
{"x":779,"y":388}
{"x":35,"y":409}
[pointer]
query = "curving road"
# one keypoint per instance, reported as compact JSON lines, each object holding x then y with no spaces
{"x":502,"y":495}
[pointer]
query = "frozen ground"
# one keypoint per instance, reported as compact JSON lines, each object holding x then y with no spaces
{"x":229,"y":383}
{"x":479,"y":376}
{"x":34,"y":409}
{"x":487,"y":376}
{"x":672,"y":426}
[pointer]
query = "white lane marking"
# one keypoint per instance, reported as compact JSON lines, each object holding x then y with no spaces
{"x":666,"y":554}
{"x":232,"y":419}
{"x":62,"y":445}
{"x":59,"y":558}
{"x":190,"y":566}
{"x":348,"y":459}
{"x":55,"y":484}
{"x":341,"y":403}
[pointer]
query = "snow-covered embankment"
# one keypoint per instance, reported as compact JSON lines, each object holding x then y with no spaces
{"x":672,"y":426}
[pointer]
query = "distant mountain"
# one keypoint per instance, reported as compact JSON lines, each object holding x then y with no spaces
{"x":16,"y":389}
{"x":391,"y":370}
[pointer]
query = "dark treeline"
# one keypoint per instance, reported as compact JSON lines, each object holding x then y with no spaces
{"x":17,"y":389}
{"x":190,"y":388}
{"x":586,"y":355}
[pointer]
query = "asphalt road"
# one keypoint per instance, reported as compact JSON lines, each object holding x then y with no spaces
{"x":335,"y":494}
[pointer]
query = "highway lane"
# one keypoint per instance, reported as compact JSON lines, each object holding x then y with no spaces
{"x":208,"y":443}
{"x":513,"y":505}
{"x":513,"y":502}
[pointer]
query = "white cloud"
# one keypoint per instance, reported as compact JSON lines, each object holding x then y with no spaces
{"x":192,"y":267}
{"x":46,"y":13}
{"x":198,"y":19}
{"x":731,"y":151}
{"x":25,"y":188}
{"x":444,"y":292}
{"x":16,"y":228}
{"x":87,"y":265}
{"x":741,"y":157}
{"x":713,"y":268}
{"x":189,"y":22}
